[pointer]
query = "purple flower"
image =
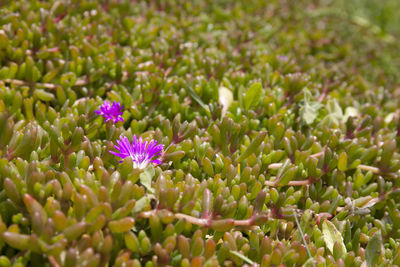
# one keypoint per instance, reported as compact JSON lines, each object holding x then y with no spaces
{"x":111,"y":112}
{"x":142,"y":153}
{"x":284,"y":58}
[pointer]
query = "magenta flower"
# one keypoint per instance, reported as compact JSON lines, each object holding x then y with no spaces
{"x":111,"y":112}
{"x":142,"y":153}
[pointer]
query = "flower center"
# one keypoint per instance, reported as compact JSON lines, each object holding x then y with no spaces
{"x":140,"y":161}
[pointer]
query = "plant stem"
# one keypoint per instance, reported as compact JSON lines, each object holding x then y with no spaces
{"x":368,"y":168}
{"x":197,"y":221}
{"x":376,"y":170}
{"x":291,"y":183}
{"x":53,"y":261}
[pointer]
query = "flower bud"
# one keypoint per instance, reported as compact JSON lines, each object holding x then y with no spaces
{"x":254,"y":145}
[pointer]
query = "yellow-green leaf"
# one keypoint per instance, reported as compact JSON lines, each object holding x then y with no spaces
{"x":373,"y":250}
{"x":253,"y":96}
{"x":332,"y":235}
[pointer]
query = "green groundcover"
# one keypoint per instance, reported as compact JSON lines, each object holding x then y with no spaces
{"x":199,"y":133}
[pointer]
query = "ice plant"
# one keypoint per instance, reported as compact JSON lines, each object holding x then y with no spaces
{"x":141,"y":152}
{"x":111,"y":111}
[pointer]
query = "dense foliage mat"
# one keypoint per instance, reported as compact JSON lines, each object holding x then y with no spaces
{"x":277,"y":124}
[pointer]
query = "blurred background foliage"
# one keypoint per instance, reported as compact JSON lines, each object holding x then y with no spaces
{"x":280,"y":120}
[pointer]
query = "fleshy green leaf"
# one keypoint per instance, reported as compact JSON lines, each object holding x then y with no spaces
{"x":141,"y":204}
{"x":309,"y":263}
{"x":253,"y":96}
{"x":43,"y":95}
{"x":373,"y":250}
{"x":287,"y":176}
{"x":253,"y":146}
{"x":198,"y":100}
{"x":146,"y":176}
{"x":332,"y":235}
{"x":342,"y":162}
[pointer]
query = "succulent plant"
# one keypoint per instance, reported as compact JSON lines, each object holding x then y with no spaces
{"x":111,"y":112}
{"x":264,"y":133}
